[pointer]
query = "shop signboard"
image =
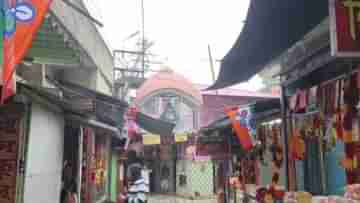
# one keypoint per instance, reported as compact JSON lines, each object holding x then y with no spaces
{"x":181,"y":137}
{"x":345,"y":27}
{"x":150,"y":139}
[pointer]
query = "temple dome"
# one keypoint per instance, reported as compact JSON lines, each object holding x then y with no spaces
{"x":167,"y":79}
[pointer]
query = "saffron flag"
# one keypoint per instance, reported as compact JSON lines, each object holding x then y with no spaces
{"x":243,"y":125}
{"x":22,"y":20}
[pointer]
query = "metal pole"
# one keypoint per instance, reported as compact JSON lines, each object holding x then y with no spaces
{"x":143,"y":37}
{"x":211,"y":64}
{"x":81,"y":146}
{"x":284,"y":134}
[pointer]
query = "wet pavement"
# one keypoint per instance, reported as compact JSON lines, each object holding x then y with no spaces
{"x":175,"y":199}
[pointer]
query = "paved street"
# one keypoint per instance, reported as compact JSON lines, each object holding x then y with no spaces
{"x":173,"y":199}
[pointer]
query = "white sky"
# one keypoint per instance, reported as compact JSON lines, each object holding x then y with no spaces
{"x":181,"y":29}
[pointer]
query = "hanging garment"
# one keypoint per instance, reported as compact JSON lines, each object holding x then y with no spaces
{"x":302,"y":101}
{"x":351,"y":92}
{"x":335,"y":173}
{"x":312,"y":96}
{"x":349,"y":116}
{"x":293,"y":102}
{"x":339,"y":125}
{"x":347,"y":137}
{"x":329,"y":134}
{"x":299,"y":168}
{"x":297,"y":147}
{"x":330,"y":98}
{"x":312,"y":167}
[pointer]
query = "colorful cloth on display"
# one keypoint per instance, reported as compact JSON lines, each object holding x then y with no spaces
{"x":312,"y":170}
{"x":244,"y":125}
{"x":22,"y":20}
{"x":297,"y":147}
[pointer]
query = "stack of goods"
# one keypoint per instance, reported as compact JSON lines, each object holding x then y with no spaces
{"x":320,"y":199}
{"x":273,"y":194}
{"x":353,"y":192}
{"x":298,"y":197}
{"x":336,"y":199}
{"x":290,"y":197}
{"x":303,"y":197}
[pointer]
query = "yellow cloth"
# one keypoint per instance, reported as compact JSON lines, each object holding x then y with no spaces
{"x":181,"y":137}
{"x":303,"y":197}
{"x":150,"y":139}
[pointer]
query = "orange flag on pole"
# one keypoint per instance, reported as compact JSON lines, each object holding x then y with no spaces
{"x":22,"y":20}
{"x":242,"y":123}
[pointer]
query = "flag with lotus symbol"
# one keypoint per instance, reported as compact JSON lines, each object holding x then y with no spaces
{"x":21,"y":20}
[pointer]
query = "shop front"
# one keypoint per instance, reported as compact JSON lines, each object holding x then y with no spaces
{"x":246,"y":170}
{"x":13,"y":132}
{"x":320,"y":114}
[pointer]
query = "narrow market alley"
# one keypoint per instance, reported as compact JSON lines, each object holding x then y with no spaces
{"x":181,"y":101}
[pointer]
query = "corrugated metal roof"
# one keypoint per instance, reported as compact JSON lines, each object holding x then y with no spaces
{"x":235,"y":92}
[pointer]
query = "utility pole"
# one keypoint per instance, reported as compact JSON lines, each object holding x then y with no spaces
{"x":143,"y":37}
{"x":212,"y":66}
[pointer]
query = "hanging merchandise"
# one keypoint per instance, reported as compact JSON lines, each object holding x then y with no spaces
{"x":299,"y":101}
{"x":130,"y":124}
{"x":293,"y":102}
{"x":330,"y":133}
{"x":262,"y":138}
{"x":297,"y":146}
{"x":339,"y":125}
{"x":312,"y":105}
{"x":277,"y":150}
{"x":351,"y":99}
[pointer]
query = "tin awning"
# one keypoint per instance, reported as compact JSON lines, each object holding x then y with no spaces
{"x":263,"y":110}
{"x":271,"y":28}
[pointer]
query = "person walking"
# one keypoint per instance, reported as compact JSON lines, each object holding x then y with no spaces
{"x":138,"y":187}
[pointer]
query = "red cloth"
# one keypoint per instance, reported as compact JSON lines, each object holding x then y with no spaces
{"x":339,"y":125}
{"x":293,"y":102}
{"x":303,"y":100}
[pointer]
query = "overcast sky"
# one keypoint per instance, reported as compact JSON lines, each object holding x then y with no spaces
{"x":181,"y":29}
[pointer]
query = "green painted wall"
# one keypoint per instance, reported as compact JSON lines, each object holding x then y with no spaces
{"x":113,"y":176}
{"x":199,"y":176}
